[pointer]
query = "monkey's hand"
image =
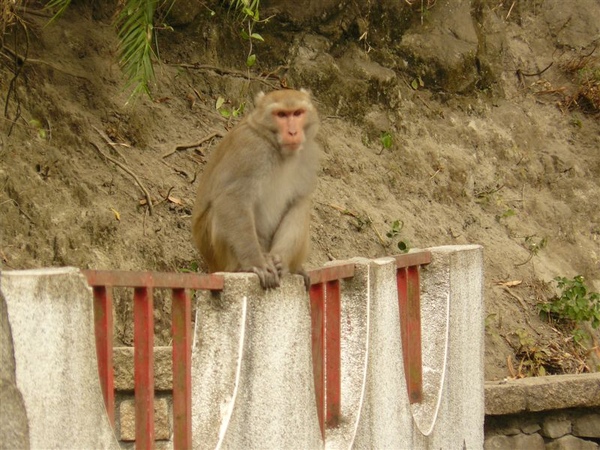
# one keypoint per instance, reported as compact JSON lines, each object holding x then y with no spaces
{"x":282,"y":269}
{"x":268,"y":275}
{"x":277,"y":263}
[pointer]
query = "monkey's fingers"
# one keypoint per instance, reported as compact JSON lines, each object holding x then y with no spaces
{"x":268,"y":278}
{"x":277,"y":263}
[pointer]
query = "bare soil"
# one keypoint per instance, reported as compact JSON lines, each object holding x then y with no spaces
{"x":512,"y":164}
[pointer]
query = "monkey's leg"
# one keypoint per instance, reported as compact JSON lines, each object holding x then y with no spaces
{"x":291,"y":240}
{"x":234,"y":227}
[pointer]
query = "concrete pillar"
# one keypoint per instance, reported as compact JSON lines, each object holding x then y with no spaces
{"x":14,"y":426}
{"x":252,"y":368}
{"x":385,"y":420}
{"x":376,"y":412}
{"x":452,"y":291}
{"x":50,"y":312}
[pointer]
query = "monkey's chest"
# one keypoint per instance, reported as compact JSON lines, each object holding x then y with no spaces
{"x":276,"y":196}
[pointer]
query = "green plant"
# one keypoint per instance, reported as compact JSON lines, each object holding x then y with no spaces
{"x":229,"y":112}
{"x":136,"y":32}
{"x":386,"y":141}
{"x":533,"y":247}
{"x":574,"y":303}
{"x":417,"y":83}
{"x":508,"y":213}
{"x":533,"y":356}
{"x":41,"y":130}
{"x":135,"y":25}
{"x":248,"y":14}
{"x":394,"y":232}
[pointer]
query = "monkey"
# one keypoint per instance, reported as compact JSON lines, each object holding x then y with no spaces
{"x":252,"y":208}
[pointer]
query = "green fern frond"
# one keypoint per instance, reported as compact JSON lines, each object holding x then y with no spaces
{"x":61,"y":5}
{"x":135,"y":25}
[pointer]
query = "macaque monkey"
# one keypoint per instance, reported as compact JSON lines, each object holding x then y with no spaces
{"x":252,"y":209}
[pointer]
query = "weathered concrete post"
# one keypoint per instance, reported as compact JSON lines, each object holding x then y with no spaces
{"x":252,"y":368}
{"x":373,"y":383}
{"x":14,"y":427}
{"x":50,"y":312}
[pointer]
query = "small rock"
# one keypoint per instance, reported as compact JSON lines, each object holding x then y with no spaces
{"x":570,"y":442}
{"x":587,"y":426}
{"x":555,"y":428}
{"x":531,"y":428}
{"x":517,"y":442}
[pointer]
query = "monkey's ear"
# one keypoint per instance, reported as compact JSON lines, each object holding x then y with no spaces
{"x":258,"y":98}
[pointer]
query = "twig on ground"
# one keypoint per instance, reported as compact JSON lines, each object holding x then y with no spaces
{"x":521,"y":301}
{"x":383,"y":243}
{"x":11,"y":200}
{"x":195,"y":144}
{"x":222,"y":71}
{"x":130,"y":172}
{"x":109,"y":141}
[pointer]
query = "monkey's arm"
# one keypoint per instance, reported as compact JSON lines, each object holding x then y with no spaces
{"x":291,"y":240}
{"x":234,"y":231}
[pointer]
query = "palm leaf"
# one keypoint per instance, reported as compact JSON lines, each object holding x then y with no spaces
{"x":135,"y":25}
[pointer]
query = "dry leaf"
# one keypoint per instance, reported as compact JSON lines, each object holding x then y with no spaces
{"x":509,"y":283}
{"x":116,"y":213}
{"x":175,"y":200}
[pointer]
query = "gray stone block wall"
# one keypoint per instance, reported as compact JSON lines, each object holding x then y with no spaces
{"x":547,"y":413}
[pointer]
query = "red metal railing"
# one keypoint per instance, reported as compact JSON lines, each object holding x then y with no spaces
{"x":325,"y":303}
{"x":143,"y":283}
{"x":325,"y":299}
{"x":409,"y":302}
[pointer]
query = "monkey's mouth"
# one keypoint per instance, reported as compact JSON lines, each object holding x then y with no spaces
{"x":293,"y":147}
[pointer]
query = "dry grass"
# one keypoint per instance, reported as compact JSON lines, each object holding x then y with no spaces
{"x":8,"y":16}
{"x":584,"y":71}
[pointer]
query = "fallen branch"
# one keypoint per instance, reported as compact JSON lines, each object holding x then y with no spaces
{"x":109,"y":141}
{"x":222,"y":71}
{"x":130,"y":172}
{"x":196,"y":144}
{"x":507,"y":289}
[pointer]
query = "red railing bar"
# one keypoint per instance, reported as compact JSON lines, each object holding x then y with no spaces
{"x":213,"y":282}
{"x":317,"y":307}
{"x":413,"y":259}
{"x":332,"y":353}
{"x":410,"y":329}
{"x":103,"y":325}
{"x":182,"y":370}
{"x":330,"y":273}
{"x":325,"y":300}
{"x":143,"y":354}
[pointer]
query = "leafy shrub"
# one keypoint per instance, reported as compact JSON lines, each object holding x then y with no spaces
{"x":575,"y":303}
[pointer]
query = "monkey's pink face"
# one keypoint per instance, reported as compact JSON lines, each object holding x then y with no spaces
{"x":290,"y":125}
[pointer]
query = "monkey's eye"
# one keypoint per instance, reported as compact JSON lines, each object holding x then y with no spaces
{"x":281,"y":114}
{"x":298,"y":112}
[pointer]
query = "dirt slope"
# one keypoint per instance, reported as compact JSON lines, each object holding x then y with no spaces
{"x":499,"y":160}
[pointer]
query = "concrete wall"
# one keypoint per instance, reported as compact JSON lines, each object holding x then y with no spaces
{"x":51,"y":318}
{"x":252,"y":370}
{"x":252,"y":364}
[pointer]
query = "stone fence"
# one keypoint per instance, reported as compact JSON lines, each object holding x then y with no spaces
{"x":559,"y":412}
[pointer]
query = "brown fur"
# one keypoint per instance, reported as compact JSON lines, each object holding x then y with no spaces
{"x":252,"y":209}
